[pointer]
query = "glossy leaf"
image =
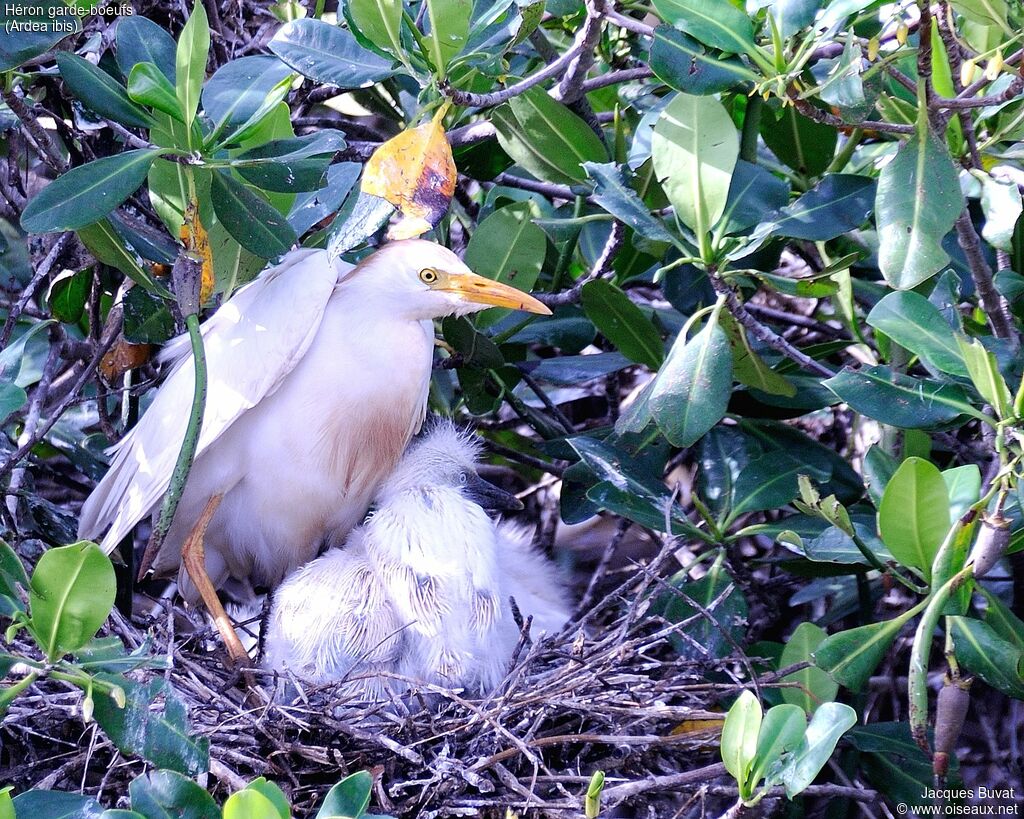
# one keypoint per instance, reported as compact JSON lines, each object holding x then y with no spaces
{"x":100,"y":92}
{"x":161,"y":794}
{"x":983,"y":369}
{"x":816,"y":687}
{"x":684,"y":64}
{"x":739,"y":736}
{"x":87,"y":193}
{"x":827,"y":726}
{"x":1002,"y":205}
{"x":613,"y":194}
{"x":328,"y":54}
{"x":140,"y":40}
{"x":67,"y":296}
{"x":380,"y":21}
{"x":782,"y":730}
{"x":900,"y":400}
{"x":909,"y":516}
{"x":836,"y":205}
{"x":623,"y":323}
{"x":914,"y":322}
{"x":694,"y":148}
{"x":770,"y":481}
{"x":801,"y":143}
{"x":190,"y":61}
{"x":850,"y":657}
{"x":273,"y":794}
{"x":980,"y":649}
{"x":55,"y":805}
{"x":691,"y":391}
{"x":449,"y":26}
{"x":964,"y":486}
{"x":754,"y":194}
{"x":918,"y":201}
{"x":349,"y":799}
{"x":252,"y":221}
{"x":291,"y":164}
{"x":315,"y":206}
{"x":72,"y":593}
{"x":547,"y":139}
{"x":149,"y":86}
{"x":716,"y":23}
{"x":239,"y":88}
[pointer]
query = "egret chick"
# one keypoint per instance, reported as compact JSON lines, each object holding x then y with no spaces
{"x":422,"y":588}
{"x":318,"y":377}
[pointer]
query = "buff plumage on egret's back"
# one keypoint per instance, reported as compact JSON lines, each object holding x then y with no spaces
{"x":421,"y":590}
{"x":318,"y":377}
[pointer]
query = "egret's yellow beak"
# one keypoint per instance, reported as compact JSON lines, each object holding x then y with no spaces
{"x":479,"y":290}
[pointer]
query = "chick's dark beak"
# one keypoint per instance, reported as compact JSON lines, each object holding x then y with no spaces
{"x":489,"y":496}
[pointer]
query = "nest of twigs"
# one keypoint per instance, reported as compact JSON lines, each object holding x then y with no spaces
{"x":609,"y":693}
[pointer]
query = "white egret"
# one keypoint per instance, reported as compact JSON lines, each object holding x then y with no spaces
{"x":318,"y":377}
{"x":422,"y":588}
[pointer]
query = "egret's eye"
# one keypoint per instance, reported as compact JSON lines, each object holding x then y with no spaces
{"x":428,"y":275}
{"x":463,"y":477}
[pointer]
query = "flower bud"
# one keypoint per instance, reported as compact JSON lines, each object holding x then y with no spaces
{"x":901,"y":33}
{"x":968,"y":69}
{"x":87,"y":709}
{"x":994,"y":67}
{"x":993,"y":538}
{"x":873,"y":45}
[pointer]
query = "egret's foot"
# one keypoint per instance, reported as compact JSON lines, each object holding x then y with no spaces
{"x":193,"y":557}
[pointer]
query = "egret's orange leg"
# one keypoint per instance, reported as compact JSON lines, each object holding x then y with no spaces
{"x":193,"y":556}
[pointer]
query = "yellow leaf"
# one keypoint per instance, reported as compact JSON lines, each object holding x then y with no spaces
{"x":415,"y":172}
{"x":196,"y":240}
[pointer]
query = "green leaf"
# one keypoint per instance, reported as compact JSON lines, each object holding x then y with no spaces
{"x":1006,"y":625}
{"x":249,"y":804}
{"x":782,"y":730}
{"x":827,"y":725}
{"x":12,"y":573}
{"x":39,"y":34}
{"x":980,"y":649}
{"x":449,"y":27}
{"x":140,"y":40}
{"x":754,"y":194}
{"x":739,"y":736}
{"x":349,"y":799}
{"x":793,"y":15}
{"x":328,"y":54}
{"x":169,"y":795}
{"x":983,"y":369}
{"x":108,"y":247}
{"x":100,"y":92}
{"x":913,"y":322}
{"x":716,"y":23}
{"x":273,"y":794}
{"x":380,"y":21}
{"x":251,"y":220}
{"x":36,"y":804}
{"x":901,"y":400}
{"x":190,"y":61}
{"x":713,"y":636}
{"x":622,"y":323}
{"x":315,"y":206}
{"x":917,"y":203}
{"x":68,"y":293}
{"x":691,"y":390}
{"x":802,"y":144}
{"x":149,"y":86}
{"x":72,"y":593}
{"x":238,"y":89}
{"x":547,"y":139}
{"x":289,"y":165}
{"x":838,"y":204}
{"x":769,"y":482}
{"x":613,"y":194}
{"x":507,"y":247}
{"x":817,"y":687}
{"x":694,"y":147}
{"x":964,"y":486}
{"x":851,"y":656}
{"x":684,"y":64}
{"x":160,"y":735}
{"x":913,"y":517}
{"x":88,"y":193}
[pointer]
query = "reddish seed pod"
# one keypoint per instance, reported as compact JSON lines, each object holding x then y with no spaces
{"x":993,"y":538}
{"x":950,"y":713}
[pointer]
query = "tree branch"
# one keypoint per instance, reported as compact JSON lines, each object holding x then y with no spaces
{"x":600,"y":269}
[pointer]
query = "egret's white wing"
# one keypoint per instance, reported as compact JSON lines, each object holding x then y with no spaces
{"x":252,"y":342}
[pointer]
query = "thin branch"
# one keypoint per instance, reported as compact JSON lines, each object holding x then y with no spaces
{"x":44,"y":143}
{"x":769,"y":337}
{"x":991,"y":301}
{"x":549,"y":189}
{"x":599,"y":270}
{"x":570,"y":89}
{"x":469,"y":99}
{"x":825,"y":118}
{"x":614,"y":77}
{"x":629,"y":23}
{"x":44,"y":270}
{"x":1012,"y":91}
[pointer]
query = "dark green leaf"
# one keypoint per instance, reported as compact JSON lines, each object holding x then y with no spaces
{"x":140,"y":40}
{"x":100,"y":92}
{"x":251,"y":220}
{"x":68,"y":294}
{"x":687,"y":66}
{"x":37,"y":804}
{"x":691,"y":390}
{"x":716,"y":23}
{"x":914,"y":322}
{"x":88,"y":193}
{"x":838,"y":204}
{"x":169,"y":795}
{"x":623,"y":323}
{"x":709,"y":637}
{"x":37,"y":32}
{"x":917,"y":203}
{"x":328,"y":54}
{"x":147,"y":319}
{"x":801,"y":143}
{"x":106,"y":245}
{"x":476,"y":348}
{"x":546,"y":138}
{"x":237,"y":89}
{"x":754,"y":194}
{"x":793,"y":15}
{"x":900,"y":400}
{"x":72,"y":593}
{"x":980,"y":649}
{"x":571,"y":370}
{"x":613,"y":194}
{"x":349,"y":799}
{"x":149,"y":86}
{"x":315,"y":206}
{"x":361,"y":215}
{"x":770,"y":481}
{"x":850,"y":657}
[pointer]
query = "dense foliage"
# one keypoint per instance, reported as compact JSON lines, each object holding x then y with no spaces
{"x":784,"y":249}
